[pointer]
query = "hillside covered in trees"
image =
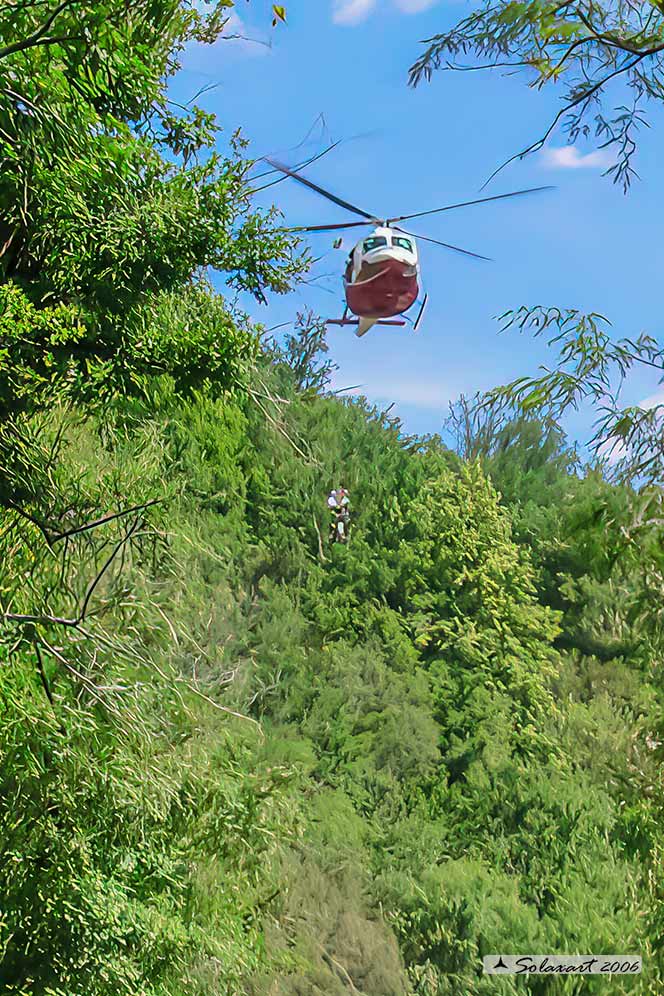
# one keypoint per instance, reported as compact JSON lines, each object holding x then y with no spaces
{"x":234,"y":759}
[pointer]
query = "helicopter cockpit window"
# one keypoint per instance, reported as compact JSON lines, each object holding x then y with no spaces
{"x":402,"y":243}
{"x":374,"y":243}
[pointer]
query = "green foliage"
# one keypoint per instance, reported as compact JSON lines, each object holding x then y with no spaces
{"x":446,"y":769}
{"x":92,"y":207}
{"x":60,"y":352}
{"x":37,"y":348}
{"x":592,"y":368}
{"x":113,"y":872}
{"x":106,"y":193}
{"x":112,"y":205}
{"x":232,"y":759}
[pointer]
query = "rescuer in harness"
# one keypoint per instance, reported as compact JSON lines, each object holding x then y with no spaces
{"x":338,"y":503}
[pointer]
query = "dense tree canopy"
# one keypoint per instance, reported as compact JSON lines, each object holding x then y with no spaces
{"x":112,"y":198}
{"x":460,"y":711}
{"x":234,"y":759}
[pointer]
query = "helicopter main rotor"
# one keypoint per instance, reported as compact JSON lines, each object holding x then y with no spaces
{"x":372,"y":220}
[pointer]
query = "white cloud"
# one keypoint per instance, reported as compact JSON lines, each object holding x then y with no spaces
{"x":418,"y":393}
{"x":352,"y":11}
{"x":414,"y":6}
{"x":569,"y":157}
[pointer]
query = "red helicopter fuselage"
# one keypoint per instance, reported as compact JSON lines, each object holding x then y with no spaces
{"x":383,"y":289}
{"x":381,"y":278}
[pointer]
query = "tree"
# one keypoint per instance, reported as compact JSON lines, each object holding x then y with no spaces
{"x":603,"y":53}
{"x":303,"y":351}
{"x":114,"y":202}
{"x":109,"y":190}
{"x":588,"y":46}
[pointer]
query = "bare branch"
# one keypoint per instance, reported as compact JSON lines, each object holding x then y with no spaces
{"x":107,"y":518}
{"x":320,"y":541}
{"x":46,"y":618}
{"x":52,"y":538}
{"x":253,"y":41}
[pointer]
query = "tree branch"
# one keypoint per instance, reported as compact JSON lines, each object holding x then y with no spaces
{"x":320,"y":541}
{"x":38,"y":36}
{"x":85,"y":681}
{"x":584,"y":96}
{"x":46,"y":618}
{"x":107,"y":518}
{"x":42,"y":674}
{"x":52,"y":538}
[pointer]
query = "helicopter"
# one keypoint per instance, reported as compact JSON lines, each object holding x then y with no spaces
{"x":382,"y":276}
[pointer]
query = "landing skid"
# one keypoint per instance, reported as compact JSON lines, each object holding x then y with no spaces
{"x":420,"y":313}
{"x":400,"y":322}
{"x":354,"y":321}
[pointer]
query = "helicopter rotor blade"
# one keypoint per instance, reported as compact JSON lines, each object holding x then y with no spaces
{"x":480,"y":200}
{"x":330,"y":228}
{"x":445,"y":245}
{"x":320,"y":190}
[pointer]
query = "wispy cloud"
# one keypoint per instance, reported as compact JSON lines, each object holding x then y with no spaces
{"x":653,"y":400}
{"x":414,"y":6}
{"x":569,"y":157}
{"x":420,"y":394}
{"x":351,"y":12}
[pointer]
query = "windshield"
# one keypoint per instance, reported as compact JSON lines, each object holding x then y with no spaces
{"x":374,"y":243}
{"x":402,"y":243}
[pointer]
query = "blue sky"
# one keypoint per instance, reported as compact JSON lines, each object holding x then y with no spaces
{"x":584,"y":245}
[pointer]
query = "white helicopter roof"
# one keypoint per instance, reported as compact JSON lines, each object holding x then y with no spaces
{"x":387,"y":239}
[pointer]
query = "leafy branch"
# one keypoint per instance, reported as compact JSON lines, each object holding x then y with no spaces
{"x":39,"y":35}
{"x":48,"y":618}
{"x":587,"y":45}
{"x":54,"y":537}
{"x":591,"y":367}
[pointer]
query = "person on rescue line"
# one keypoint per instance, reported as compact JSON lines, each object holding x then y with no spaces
{"x":338,"y":502}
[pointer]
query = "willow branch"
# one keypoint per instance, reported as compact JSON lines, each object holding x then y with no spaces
{"x":105,"y":519}
{"x":42,"y":674}
{"x":38,"y":36}
{"x":579,"y":99}
{"x":52,"y":538}
{"x":48,"y":619}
